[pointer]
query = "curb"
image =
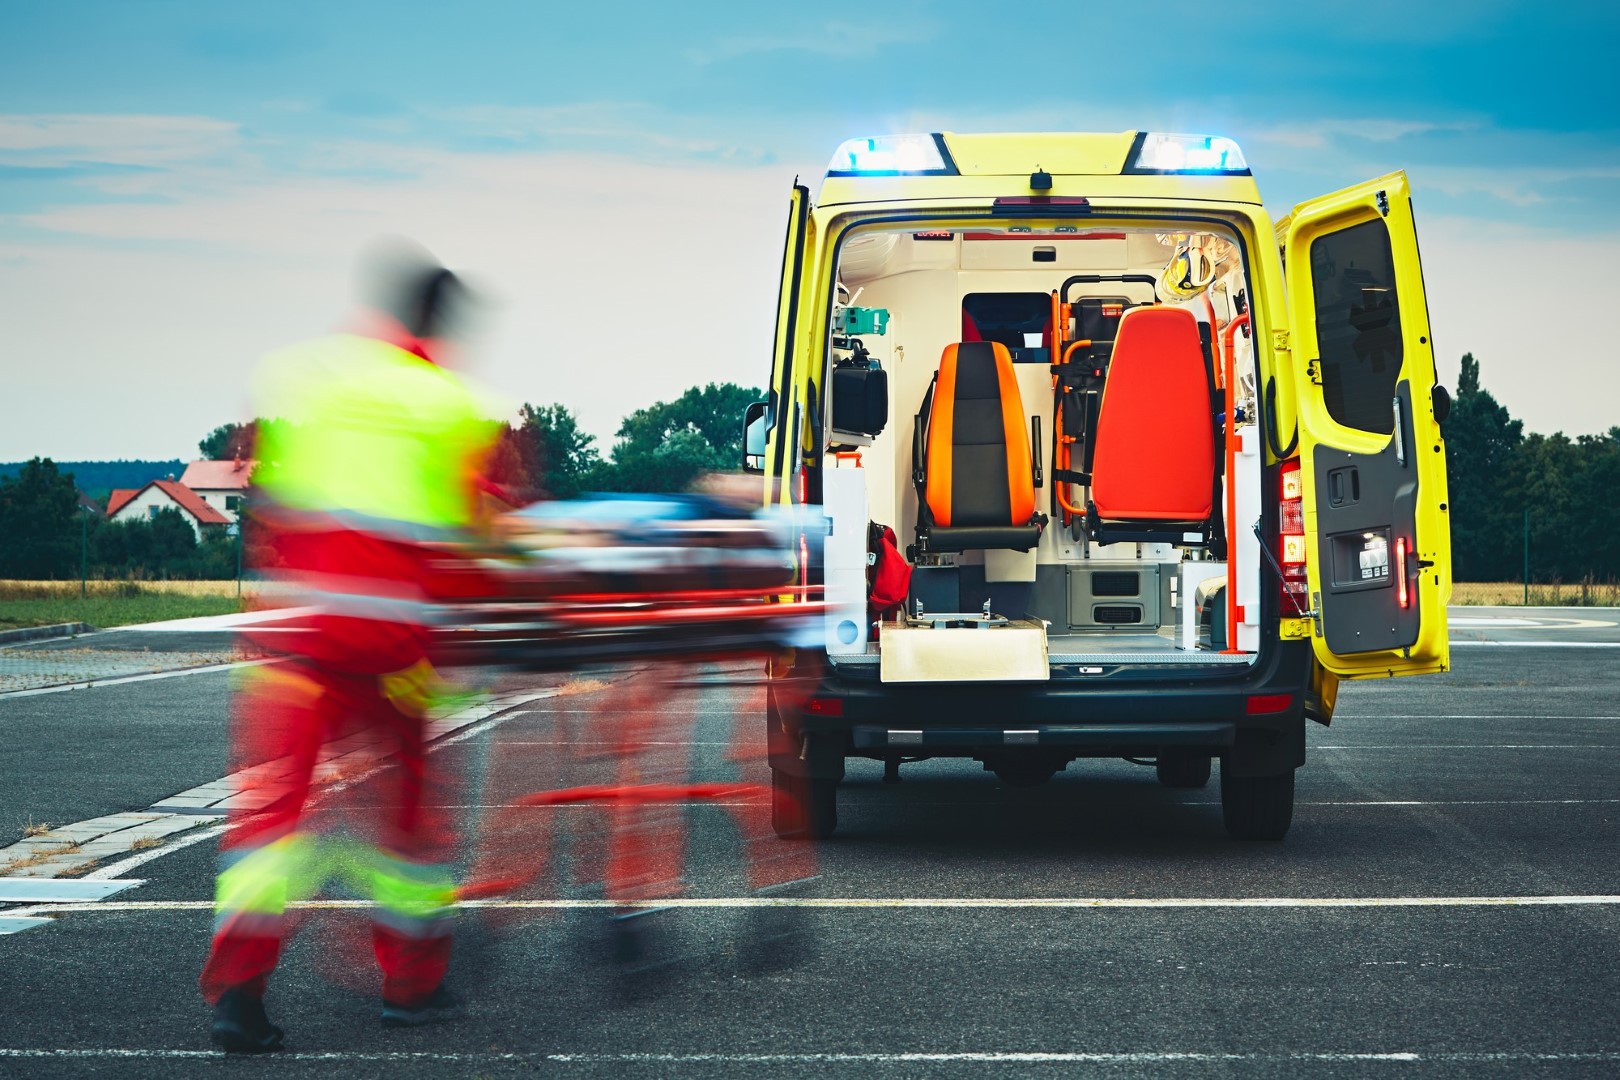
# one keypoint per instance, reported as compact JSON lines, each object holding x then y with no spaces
{"x":36,"y":633}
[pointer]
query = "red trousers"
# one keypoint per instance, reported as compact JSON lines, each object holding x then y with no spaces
{"x":292,"y":719}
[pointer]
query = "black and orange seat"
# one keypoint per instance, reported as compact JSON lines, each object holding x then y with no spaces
{"x":971,"y":456}
{"x":1153,"y":476}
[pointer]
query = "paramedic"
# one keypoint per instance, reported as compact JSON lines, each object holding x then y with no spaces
{"x":367,"y":492}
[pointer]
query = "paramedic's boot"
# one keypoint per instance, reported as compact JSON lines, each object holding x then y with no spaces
{"x":440,"y":1005}
{"x":241,"y":1027}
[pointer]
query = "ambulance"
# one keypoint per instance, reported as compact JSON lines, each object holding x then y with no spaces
{"x":1161,"y":471}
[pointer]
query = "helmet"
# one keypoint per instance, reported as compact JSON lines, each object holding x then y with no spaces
{"x":1190,"y":270}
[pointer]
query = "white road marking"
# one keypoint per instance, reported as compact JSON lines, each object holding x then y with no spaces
{"x":1520,"y":621}
{"x":1471,"y":746}
{"x":57,"y":890}
{"x":888,"y":903}
{"x":92,"y":684}
{"x":495,"y":712}
{"x":1470,"y":716}
{"x":1542,"y":644}
{"x":984,"y":1057}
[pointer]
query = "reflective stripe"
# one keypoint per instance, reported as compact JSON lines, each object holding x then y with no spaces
{"x":258,"y":880}
{"x":411,"y":896}
{"x":308,"y":520}
{"x":422,"y":928}
{"x":367,"y":606}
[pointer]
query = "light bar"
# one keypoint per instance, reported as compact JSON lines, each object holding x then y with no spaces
{"x":1158,"y":152}
{"x":892,"y":155}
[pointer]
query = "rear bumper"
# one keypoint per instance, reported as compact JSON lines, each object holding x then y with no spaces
{"x":1252,"y":718}
{"x":1098,"y":739}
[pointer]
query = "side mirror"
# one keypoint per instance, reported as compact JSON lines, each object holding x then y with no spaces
{"x":756,"y":427}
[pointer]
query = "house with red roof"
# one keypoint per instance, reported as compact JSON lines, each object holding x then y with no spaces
{"x":135,"y":504}
{"x":220,"y":484}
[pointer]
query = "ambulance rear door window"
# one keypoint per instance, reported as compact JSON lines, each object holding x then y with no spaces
{"x":1020,"y":321}
{"x":1358,"y":324}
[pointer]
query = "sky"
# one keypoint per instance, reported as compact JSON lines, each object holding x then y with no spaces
{"x":185,"y":184}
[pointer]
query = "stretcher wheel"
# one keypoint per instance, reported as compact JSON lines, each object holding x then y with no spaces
{"x":1183,"y":770}
{"x":802,"y":807}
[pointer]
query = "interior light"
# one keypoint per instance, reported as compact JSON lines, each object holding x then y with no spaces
{"x":1157,"y":151}
{"x":889,"y":155}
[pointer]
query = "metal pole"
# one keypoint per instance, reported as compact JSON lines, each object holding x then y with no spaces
{"x":1527,"y":556}
{"x":84,"y":550}
{"x":240,"y":521}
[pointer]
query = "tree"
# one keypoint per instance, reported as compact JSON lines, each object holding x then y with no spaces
{"x":229,"y":441}
{"x":39,"y":526}
{"x":565,"y":455}
{"x":1481,"y":445}
{"x":669,"y":444}
{"x":160,"y":546}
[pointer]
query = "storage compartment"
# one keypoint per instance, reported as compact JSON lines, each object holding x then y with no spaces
{"x":1117,"y":596}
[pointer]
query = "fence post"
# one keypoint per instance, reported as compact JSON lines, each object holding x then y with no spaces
{"x":1526,"y":556}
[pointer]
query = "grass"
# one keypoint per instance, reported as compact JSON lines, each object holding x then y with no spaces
{"x":113,"y":603}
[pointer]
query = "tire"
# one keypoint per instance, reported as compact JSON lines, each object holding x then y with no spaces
{"x":1257,"y":807}
{"x":803,"y":808}
{"x":1183,"y":770}
{"x":1025,"y":772}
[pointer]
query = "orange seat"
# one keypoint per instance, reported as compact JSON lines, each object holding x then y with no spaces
{"x":971,"y":457}
{"x":1153,"y":474}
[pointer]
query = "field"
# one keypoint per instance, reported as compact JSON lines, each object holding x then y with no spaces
{"x":114,"y":603}
{"x":122,"y":603}
{"x":1512,"y":594}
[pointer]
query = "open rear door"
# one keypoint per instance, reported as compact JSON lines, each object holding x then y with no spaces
{"x":1373,"y":466}
{"x":780,"y":457}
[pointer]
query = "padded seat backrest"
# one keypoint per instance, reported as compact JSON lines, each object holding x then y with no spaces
{"x":1154,"y":456}
{"x":978,"y":462}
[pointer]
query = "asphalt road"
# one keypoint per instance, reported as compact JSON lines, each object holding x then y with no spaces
{"x":1499,"y":780}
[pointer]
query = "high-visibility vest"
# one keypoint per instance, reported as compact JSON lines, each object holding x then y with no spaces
{"x":375,"y":435}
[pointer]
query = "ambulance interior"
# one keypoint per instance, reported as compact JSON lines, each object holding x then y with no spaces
{"x":1123,"y":358}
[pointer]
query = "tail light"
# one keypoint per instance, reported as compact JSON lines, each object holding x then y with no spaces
{"x":1291,"y":539}
{"x":1401,"y":586}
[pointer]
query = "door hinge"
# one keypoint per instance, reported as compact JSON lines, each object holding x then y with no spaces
{"x":1315,"y":613}
{"x":1279,"y":341}
{"x":1383,"y":203}
{"x":1313,"y":371}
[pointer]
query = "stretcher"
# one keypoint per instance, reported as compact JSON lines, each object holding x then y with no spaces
{"x":611,"y":579}
{"x":674,"y":579}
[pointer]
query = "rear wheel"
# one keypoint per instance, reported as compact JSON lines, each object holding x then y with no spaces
{"x":1183,"y":770}
{"x":1257,"y":807}
{"x":802,"y":807}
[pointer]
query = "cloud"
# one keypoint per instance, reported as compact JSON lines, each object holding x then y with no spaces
{"x":835,"y":38}
{"x":1328,"y":132}
{"x":620,"y":127}
{"x":63,"y":139}
{"x":607,"y":294}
